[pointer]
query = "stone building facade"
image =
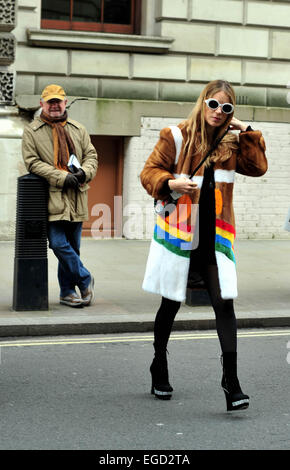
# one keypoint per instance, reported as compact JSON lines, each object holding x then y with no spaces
{"x":7,"y":50}
{"x":132,"y":85}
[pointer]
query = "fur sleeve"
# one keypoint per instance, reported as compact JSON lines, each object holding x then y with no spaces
{"x":251,"y":159}
{"x":158,"y":168}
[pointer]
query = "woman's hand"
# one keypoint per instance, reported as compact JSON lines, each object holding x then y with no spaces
{"x":236,"y":125}
{"x":182,"y":185}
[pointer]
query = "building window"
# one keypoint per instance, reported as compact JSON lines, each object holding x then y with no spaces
{"x":108,"y":16}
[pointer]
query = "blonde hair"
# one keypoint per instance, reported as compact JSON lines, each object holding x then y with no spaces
{"x":198,"y":141}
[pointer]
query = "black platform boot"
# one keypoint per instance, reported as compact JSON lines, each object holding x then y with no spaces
{"x":235,"y":398}
{"x":161,"y":387}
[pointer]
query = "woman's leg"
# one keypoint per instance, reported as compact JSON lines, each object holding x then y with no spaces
{"x":226,"y":323}
{"x":163,"y":323}
{"x":165,"y":316}
{"x":227,"y":332}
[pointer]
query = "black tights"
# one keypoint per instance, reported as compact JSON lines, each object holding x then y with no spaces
{"x":224,"y":311}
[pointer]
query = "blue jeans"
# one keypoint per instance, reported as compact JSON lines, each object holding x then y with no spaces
{"x":65,"y":239}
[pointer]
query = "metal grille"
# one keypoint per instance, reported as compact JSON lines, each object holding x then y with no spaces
{"x":31,"y":218}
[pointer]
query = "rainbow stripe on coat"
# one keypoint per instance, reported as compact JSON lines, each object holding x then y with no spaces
{"x":224,"y":239}
{"x":174,"y":235}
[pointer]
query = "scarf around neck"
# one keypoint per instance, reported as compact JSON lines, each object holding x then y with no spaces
{"x":63,"y":145}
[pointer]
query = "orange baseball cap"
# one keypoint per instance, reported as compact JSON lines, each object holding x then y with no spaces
{"x":53,"y":92}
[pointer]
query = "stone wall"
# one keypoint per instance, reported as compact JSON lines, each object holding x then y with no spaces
{"x":184,"y":43}
{"x":8,"y":14}
{"x":9,"y":141}
{"x":11,"y":129}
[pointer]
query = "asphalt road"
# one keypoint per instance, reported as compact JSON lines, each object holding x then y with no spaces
{"x":92,"y":392}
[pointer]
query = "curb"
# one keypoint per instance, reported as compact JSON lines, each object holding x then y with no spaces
{"x":131,"y":327}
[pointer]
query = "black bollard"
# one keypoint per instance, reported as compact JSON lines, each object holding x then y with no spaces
{"x":30,"y":289}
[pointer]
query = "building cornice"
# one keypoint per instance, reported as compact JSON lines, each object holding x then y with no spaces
{"x":98,"y":41}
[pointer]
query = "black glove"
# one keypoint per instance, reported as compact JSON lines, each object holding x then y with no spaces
{"x":80,"y":175}
{"x":70,"y":181}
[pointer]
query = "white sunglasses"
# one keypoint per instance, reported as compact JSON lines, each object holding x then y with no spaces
{"x":213,"y":104}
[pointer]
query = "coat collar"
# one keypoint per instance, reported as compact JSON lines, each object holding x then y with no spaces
{"x":38,"y":123}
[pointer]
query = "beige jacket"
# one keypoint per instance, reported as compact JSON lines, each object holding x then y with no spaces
{"x":37,"y":151}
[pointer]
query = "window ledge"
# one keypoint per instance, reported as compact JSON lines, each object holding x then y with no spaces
{"x":98,"y":41}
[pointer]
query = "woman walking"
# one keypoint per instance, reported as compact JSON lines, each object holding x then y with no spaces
{"x":183,"y":249}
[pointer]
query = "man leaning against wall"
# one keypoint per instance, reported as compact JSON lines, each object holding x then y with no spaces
{"x":51,"y":142}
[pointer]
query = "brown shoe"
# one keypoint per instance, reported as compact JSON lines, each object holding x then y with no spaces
{"x":72,"y":300}
{"x":88,"y":295}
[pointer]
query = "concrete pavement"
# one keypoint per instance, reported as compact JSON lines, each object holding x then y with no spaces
{"x":122,"y":306}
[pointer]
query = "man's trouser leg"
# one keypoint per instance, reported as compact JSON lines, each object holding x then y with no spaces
{"x":64,"y":239}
